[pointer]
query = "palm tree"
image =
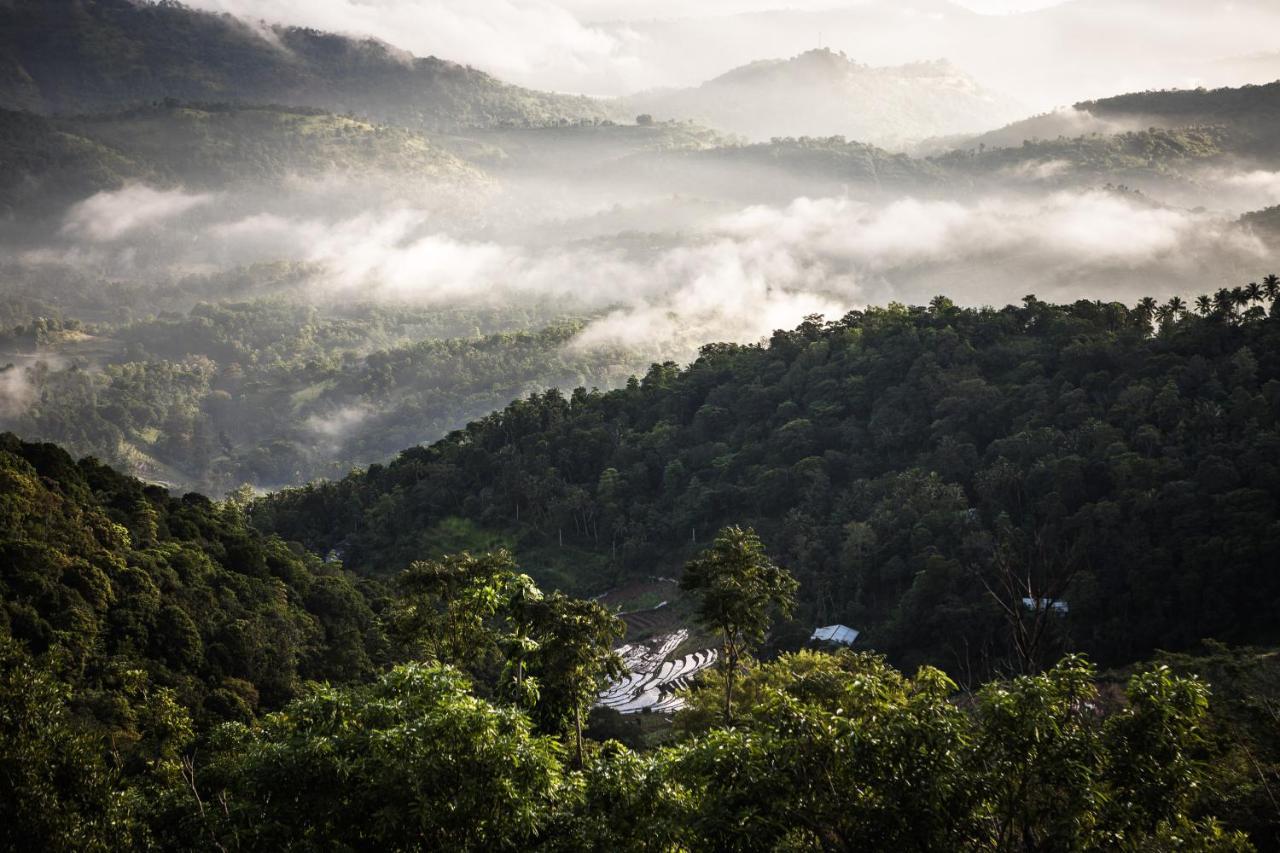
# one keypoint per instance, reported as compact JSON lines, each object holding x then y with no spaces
{"x":1144,"y":311}
{"x":1164,"y":315}
{"x":1223,"y":302}
{"x":1239,"y":296}
{"x":1176,"y":306}
{"x":1271,"y":287}
{"x":1253,"y":291}
{"x":1204,"y":305}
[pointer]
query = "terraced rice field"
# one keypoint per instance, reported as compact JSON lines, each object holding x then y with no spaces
{"x":655,"y":676}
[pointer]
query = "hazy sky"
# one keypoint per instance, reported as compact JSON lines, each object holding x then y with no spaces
{"x":630,"y":10}
{"x":1050,"y":54}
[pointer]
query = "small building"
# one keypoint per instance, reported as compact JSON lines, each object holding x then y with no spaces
{"x":1036,"y":604}
{"x":838,"y":635}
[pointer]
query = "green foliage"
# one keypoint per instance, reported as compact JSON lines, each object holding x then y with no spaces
{"x":411,"y":762}
{"x":739,"y":592}
{"x":444,"y":610}
{"x":57,"y":791}
{"x":124,"y":591}
{"x":892,"y":458}
{"x":572,"y":658}
{"x":1248,"y":113}
{"x":842,"y":752}
{"x":1148,"y":151}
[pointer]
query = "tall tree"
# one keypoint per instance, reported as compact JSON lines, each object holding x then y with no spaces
{"x":739,"y":591}
{"x":447,"y":607}
{"x":1271,"y":287}
{"x":573,"y":658}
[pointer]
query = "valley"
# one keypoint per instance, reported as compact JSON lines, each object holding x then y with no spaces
{"x":567,"y":425}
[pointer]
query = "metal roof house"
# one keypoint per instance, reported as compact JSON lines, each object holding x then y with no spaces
{"x":840,"y":635}
{"x":1059,"y":607}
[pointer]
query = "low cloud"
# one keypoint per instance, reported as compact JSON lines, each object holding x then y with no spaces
{"x":1260,"y":188}
{"x":109,"y":216}
{"x":519,"y":38}
{"x":339,"y":423}
{"x":739,"y":276}
{"x":17,"y":392}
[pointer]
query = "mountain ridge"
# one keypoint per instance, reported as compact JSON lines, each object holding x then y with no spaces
{"x":74,"y":56}
{"x":824,"y":93}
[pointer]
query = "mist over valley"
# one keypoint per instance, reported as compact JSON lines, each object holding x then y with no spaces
{"x":572,"y":425}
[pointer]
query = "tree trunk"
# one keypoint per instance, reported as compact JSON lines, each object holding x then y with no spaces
{"x":577,"y":724}
{"x":731,"y":661}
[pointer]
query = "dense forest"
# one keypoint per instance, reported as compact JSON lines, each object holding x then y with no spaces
{"x":906,"y":463}
{"x":394,"y":458}
{"x":171,"y":679}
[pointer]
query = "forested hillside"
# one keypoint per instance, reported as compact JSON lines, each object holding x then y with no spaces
{"x":51,"y":163}
{"x":159,"y":680}
{"x":76,"y":56}
{"x":1123,"y":461}
{"x":272,"y":393}
{"x":133,"y":596}
{"x":1250,"y":111}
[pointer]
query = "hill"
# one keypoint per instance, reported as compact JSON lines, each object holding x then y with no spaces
{"x":783,"y":168}
{"x":76,"y":56}
{"x":136,"y":592}
{"x":1034,"y":56}
{"x":824,"y":93}
{"x":894,"y":458}
{"x":277,"y":394}
{"x":51,"y":162}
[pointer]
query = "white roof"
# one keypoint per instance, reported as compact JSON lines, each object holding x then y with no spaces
{"x":1046,"y":604}
{"x":841,"y":634}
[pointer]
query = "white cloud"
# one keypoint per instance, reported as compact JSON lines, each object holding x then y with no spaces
{"x":739,"y":276}
{"x":338,"y":424}
{"x":17,"y":393}
{"x":1259,"y":187}
{"x":767,"y":267}
{"x":108,"y":216}
{"x":508,"y":37}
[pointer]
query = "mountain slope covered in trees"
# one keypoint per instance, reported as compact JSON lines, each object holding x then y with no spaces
{"x":901,"y":461}
{"x":128,"y":591}
{"x":51,"y":163}
{"x":153,"y":652}
{"x":76,"y":56}
{"x":274,"y":394}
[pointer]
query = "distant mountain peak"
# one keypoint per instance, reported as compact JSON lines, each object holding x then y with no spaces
{"x":824,"y":92}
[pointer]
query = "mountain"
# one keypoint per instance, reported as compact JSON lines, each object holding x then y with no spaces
{"x":51,"y":162}
{"x":1251,"y":114}
{"x":824,"y":93}
{"x":892,"y":459}
{"x":76,"y":56}
{"x":1033,"y":56}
